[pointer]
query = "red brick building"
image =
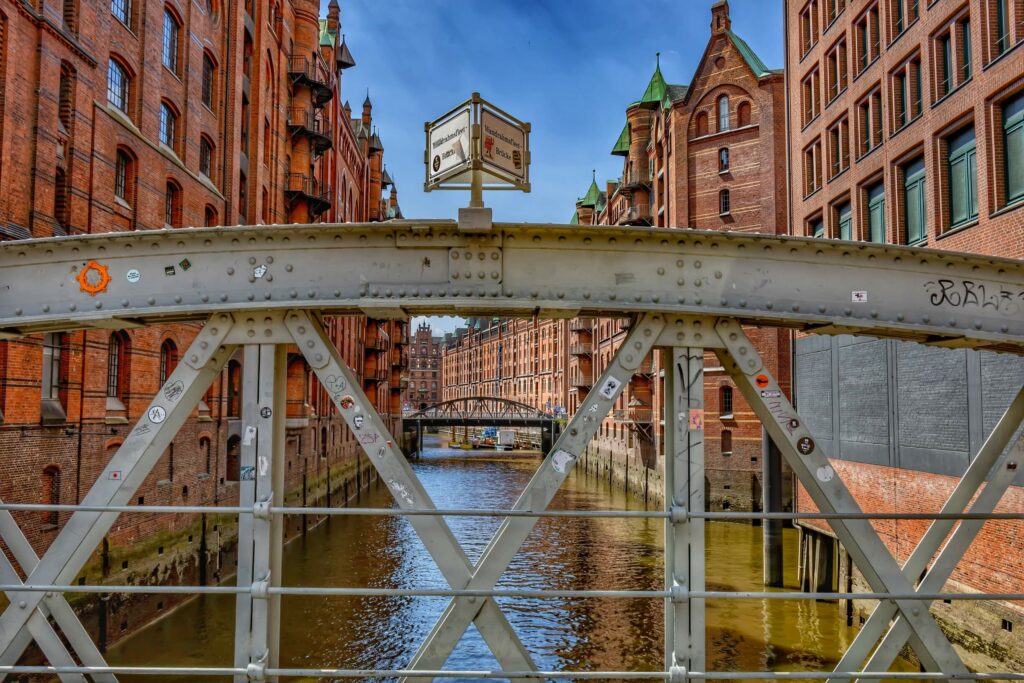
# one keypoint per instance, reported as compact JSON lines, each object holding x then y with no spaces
{"x":708,"y":155}
{"x":426,"y":371}
{"x":123,"y":115}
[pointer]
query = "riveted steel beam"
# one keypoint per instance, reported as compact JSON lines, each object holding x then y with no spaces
{"x":408,"y":267}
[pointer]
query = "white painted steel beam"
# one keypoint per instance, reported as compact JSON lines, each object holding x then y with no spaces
{"x":401,"y":268}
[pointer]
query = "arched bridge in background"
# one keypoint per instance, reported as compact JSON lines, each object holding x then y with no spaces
{"x":264,"y":289}
{"x":482,"y":411}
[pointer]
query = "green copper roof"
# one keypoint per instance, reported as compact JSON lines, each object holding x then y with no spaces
{"x":622,"y":144}
{"x":749,"y":56}
{"x":575,"y":220}
{"x":656,"y":88}
{"x":326,"y":36}
{"x":593,"y":194}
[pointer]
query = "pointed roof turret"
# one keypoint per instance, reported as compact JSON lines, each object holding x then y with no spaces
{"x":622,"y":144}
{"x":375,"y":144}
{"x":656,"y":88}
{"x":345,"y":60}
{"x":593,"y":194}
{"x":575,"y":220}
{"x":367,"y":102}
{"x":385,"y":178}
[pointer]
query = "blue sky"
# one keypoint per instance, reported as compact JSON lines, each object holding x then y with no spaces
{"x":569,"y":67}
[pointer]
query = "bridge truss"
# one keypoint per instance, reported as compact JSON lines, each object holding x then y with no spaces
{"x":264,"y":289}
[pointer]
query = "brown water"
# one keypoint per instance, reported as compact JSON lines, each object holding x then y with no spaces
{"x":591,"y":634}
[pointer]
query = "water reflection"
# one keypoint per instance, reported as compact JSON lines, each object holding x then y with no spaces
{"x":592,"y":634}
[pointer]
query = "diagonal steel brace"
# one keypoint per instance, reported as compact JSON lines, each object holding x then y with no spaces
{"x":744,"y":364}
{"x":974,"y":476}
{"x":537,"y":495}
{"x":121,"y":477}
{"x":386,"y":456}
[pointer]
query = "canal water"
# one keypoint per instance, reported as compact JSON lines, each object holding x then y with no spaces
{"x":590,"y":634}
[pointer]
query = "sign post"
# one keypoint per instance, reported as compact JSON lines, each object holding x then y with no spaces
{"x":476,"y":146}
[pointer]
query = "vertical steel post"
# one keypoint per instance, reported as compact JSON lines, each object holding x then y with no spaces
{"x":246,"y":499}
{"x":684,"y":489}
{"x":771,"y":496}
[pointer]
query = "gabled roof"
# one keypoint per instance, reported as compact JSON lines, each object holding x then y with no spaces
{"x":749,"y":56}
{"x":344,"y":57}
{"x":655,"y":92}
{"x":622,"y":144}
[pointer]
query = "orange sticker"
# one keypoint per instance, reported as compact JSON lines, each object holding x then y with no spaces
{"x":761,"y":381}
{"x":94,"y":278}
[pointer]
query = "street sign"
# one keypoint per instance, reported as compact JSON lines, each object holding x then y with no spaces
{"x":503,"y":146}
{"x":448,"y":145}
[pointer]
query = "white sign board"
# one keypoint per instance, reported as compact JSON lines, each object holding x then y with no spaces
{"x":503,"y":145}
{"x":448,"y":145}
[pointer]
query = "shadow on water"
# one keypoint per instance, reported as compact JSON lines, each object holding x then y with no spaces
{"x":590,"y":634}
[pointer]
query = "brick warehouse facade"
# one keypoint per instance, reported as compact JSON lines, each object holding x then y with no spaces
{"x":126,"y":115}
{"x":426,"y":371}
{"x":907,"y":127}
{"x":707,"y":155}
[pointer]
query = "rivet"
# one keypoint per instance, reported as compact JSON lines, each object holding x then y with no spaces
{"x":480,"y":274}
{"x":847,"y":311}
{"x":679,"y":263}
{"x":177,"y":299}
{"x":99,"y":304}
{"x":494,"y":275}
{"x":899,"y":316}
{"x":266,"y":295}
{"x":926,"y":318}
{"x":194,"y":358}
{"x":696,"y":264}
{"x":612,"y":296}
{"x":310,"y":344}
{"x":718,"y":275}
{"x":769,"y":305}
{"x":270,"y":259}
{"x":231,"y":271}
{"x":17,"y":311}
{"x":46,"y":308}
{"x":151,"y":301}
{"x":267,"y":333}
{"x":205,"y":298}
{"x":796,"y":307}
{"x":252,"y":260}
{"x":269,"y":278}
{"x":288,"y":268}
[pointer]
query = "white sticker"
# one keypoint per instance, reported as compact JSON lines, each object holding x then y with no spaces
{"x":264,"y":465}
{"x":133,"y":276}
{"x":859,"y":296}
{"x":562,"y":460}
{"x":259,"y":271}
{"x":826,"y":473}
{"x":610,"y":386}
{"x":249,"y":435}
{"x":157,"y":414}
{"x":400,"y":492}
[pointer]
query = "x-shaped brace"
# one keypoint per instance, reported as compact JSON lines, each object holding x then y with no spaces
{"x":116,"y":485}
{"x":999,"y":480}
{"x":743,"y":363}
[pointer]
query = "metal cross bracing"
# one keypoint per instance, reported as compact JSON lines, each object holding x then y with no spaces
{"x":689,"y":291}
{"x":488,"y":411}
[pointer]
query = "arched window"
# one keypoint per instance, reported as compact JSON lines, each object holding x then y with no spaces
{"x":206,"y":156}
{"x":209,"y":72}
{"x":118,"y":349}
{"x":206,"y":451}
{"x":172,"y":205}
{"x":234,"y":406}
{"x":51,"y":494}
{"x":743,"y":114}
{"x":702,"y":124}
{"x":723,"y":160}
{"x":210,"y":216}
{"x":172,"y":36}
{"x":725,"y":401}
{"x":232,"y":467}
{"x":118,"y":85}
{"x":66,"y":103}
{"x":723,"y":202}
{"x":124,"y":175}
{"x":168,"y":126}
{"x":723,"y":113}
{"x":726,"y":442}
{"x":168,"y":359}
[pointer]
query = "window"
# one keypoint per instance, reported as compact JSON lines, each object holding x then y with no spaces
{"x":836,"y":71}
{"x":906,"y":92}
{"x":234,"y":407}
{"x":842,"y":217}
{"x":168,"y":360}
{"x":808,"y":27}
{"x":1013,"y":148}
{"x":171,"y":36}
{"x":117,"y":355}
{"x":69,"y":13}
{"x":66,"y":104}
{"x":835,"y":8}
{"x":816,"y":227}
{"x":725,"y":401}
{"x":839,"y":147}
{"x":726,"y":443}
{"x":867,"y":45}
{"x":208,"y":75}
{"x":913,"y":201}
{"x":53,"y":377}
{"x":172,"y":205}
{"x":952,"y":50}
{"x":51,"y":494}
{"x":233,"y":458}
{"x":1000,"y":35}
{"x":723,"y":113}
{"x":869,"y":118}
{"x":118,"y":82}
{"x":168,"y":125}
{"x":702,"y":124}
{"x":723,"y":202}
{"x":61,"y":200}
{"x":812,"y":168}
{"x":875,"y":195}
{"x":963,"y":178}
{"x":723,"y":160}
{"x":243,"y":191}
{"x":210,"y":216}
{"x":122,"y":11}
{"x":122,"y":175}
{"x":810,"y":95}
{"x":205,"y":156}
{"x":743,"y":114}
{"x":902,"y":13}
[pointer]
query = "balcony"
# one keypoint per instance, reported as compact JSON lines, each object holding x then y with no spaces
{"x":580,"y":380}
{"x":301,"y":187}
{"x":581,"y":325}
{"x":305,"y":71}
{"x":635,"y":180}
{"x":636,"y":416}
{"x":634,"y":214}
{"x":583,"y":348}
{"x":302,"y":122}
{"x":376,"y":339}
{"x":646,"y":366}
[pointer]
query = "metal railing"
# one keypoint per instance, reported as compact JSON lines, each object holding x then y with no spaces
{"x":635,"y":179}
{"x":581,"y":324}
{"x":308,"y":187}
{"x":306,"y":121}
{"x":580,"y":380}
{"x":581,"y":348}
{"x":632,"y":212}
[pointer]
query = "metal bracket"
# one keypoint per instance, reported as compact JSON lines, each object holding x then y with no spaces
{"x":475,"y":219}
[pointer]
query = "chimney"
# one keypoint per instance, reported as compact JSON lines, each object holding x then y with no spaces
{"x":333,"y":16}
{"x":720,"y":21}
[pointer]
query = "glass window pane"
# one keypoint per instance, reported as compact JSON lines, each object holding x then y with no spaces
{"x":1015,"y":162}
{"x":876,"y":213}
{"x":958,"y":191}
{"x":844,"y":216}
